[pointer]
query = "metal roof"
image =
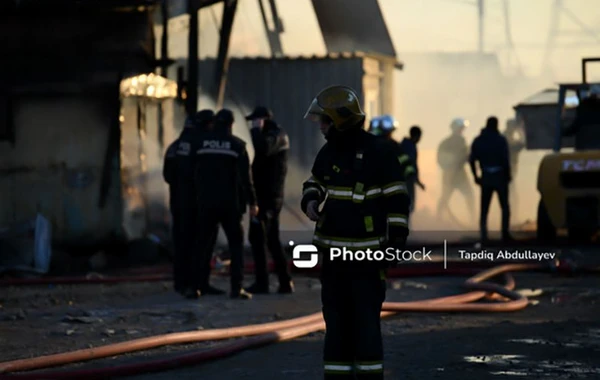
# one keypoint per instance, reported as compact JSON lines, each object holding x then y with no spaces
{"x":318,"y":57}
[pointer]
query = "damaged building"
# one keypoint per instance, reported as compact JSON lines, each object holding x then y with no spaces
{"x":83,"y":119}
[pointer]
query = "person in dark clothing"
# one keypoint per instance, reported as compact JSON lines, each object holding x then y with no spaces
{"x":178,"y":171}
{"x":366,"y":207}
{"x":586,"y":126}
{"x":224,"y":187}
{"x":269,"y":169}
{"x":452,"y":157}
{"x":490,"y":149}
{"x":384,"y":126}
{"x":409,"y":145}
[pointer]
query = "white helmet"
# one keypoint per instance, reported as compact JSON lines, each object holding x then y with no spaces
{"x":458,"y":124}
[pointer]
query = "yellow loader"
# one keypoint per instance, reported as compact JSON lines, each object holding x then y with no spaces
{"x":568,"y":181}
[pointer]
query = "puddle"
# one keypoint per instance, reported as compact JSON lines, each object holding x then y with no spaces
{"x":509,"y":373}
{"x":494,"y":359}
{"x":545,"y":342}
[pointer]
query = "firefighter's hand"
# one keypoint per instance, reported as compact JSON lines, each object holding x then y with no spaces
{"x":312,"y":211}
{"x":253,"y":211}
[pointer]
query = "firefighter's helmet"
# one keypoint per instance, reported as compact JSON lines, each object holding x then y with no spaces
{"x":383,"y":125}
{"x":338,"y":104}
{"x":459,"y":124}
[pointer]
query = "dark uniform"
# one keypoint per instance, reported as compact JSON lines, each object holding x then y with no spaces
{"x":490,"y":149}
{"x":178,"y":172}
{"x":366,"y":208}
{"x":224,"y":187}
{"x":269,"y":169}
{"x":384,"y":126}
{"x":409,"y":147}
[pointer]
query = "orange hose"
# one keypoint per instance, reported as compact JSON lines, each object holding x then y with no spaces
{"x":306,"y":324}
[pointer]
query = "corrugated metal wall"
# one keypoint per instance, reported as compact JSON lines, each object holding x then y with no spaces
{"x":287,"y":86}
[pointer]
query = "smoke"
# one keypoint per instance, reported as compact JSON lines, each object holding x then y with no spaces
{"x":435,"y":88}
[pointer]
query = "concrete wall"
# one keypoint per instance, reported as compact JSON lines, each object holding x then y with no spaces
{"x":55,"y":166}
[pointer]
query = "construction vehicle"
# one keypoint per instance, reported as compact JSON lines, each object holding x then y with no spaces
{"x":568,"y":181}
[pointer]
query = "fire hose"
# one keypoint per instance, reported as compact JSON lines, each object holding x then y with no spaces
{"x":267,"y":333}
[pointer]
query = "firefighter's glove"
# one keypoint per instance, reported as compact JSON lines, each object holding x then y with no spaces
{"x":312,"y":210}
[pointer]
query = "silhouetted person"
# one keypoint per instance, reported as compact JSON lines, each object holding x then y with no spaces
{"x":490,"y":149}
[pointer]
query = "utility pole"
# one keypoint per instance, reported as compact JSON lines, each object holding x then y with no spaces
{"x":192,"y":77}
{"x":481,"y":12}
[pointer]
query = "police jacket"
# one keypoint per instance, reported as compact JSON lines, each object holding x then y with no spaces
{"x":269,"y":168}
{"x":586,"y":126}
{"x":361,"y":181}
{"x":178,"y":169}
{"x":490,"y":149}
{"x":222,"y":173}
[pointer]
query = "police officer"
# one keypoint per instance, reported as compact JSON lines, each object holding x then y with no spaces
{"x":178,"y":172}
{"x":586,"y":126}
{"x":409,"y":145}
{"x":269,"y":169}
{"x":224,"y":187}
{"x":384,"y":126}
{"x":362,"y":179}
{"x":490,"y":149}
{"x":452,"y":157}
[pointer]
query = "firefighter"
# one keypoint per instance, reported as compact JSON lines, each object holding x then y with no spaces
{"x":269,"y":169}
{"x":178,"y":173}
{"x":224,"y":188}
{"x":385,"y":126}
{"x":586,"y":126}
{"x":366,"y":208}
{"x":452,"y":158}
{"x":409,"y":145}
{"x":490,"y":149}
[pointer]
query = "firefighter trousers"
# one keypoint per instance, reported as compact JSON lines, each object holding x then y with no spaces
{"x":263,"y":236}
{"x":352,"y":304}
{"x":231,"y":221}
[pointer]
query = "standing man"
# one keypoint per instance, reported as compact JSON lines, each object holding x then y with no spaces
{"x":409,"y":145}
{"x":178,"y":172}
{"x":269,"y":169}
{"x":490,"y":149}
{"x":366,"y":208}
{"x":224,"y":186}
{"x":453,"y":155}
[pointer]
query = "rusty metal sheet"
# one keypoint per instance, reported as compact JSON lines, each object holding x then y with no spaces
{"x":353,"y":25}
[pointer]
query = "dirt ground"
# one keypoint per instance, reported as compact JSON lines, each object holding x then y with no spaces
{"x":556,"y":337}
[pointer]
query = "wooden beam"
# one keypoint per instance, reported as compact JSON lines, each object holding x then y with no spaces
{"x":229,"y":11}
{"x":192,"y":75}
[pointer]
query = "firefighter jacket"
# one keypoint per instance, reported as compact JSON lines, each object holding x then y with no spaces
{"x":222,"y":173}
{"x":409,"y":148}
{"x":407,"y":166}
{"x":362,"y":183}
{"x":269,"y":168}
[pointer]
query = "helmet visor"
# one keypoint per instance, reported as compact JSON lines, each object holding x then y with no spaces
{"x":315,"y":112}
